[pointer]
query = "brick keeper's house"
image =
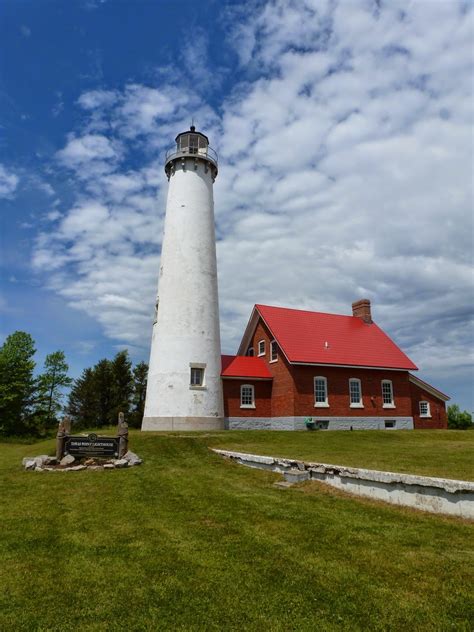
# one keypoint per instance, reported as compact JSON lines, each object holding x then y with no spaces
{"x":296,"y":369}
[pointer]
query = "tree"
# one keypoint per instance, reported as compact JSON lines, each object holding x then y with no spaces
{"x":17,"y":384}
{"x":140,"y":373}
{"x":459,"y":420}
{"x":103,"y":385}
{"x":122,"y":385}
{"x":50,"y":385}
{"x":83,"y":405}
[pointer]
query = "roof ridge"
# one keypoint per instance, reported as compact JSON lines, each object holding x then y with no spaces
{"x":306,"y":311}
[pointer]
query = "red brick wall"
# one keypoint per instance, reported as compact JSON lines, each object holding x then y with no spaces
{"x":263,"y":398}
{"x":437,"y":409}
{"x":283,"y":388}
{"x":338,"y":392}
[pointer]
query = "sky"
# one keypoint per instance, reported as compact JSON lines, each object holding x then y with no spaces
{"x":345,"y":141}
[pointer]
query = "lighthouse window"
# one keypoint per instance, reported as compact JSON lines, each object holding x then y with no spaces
{"x":197,"y":376}
{"x":193,"y":143}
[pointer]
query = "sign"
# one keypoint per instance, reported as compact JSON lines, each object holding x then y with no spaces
{"x":91,"y":445}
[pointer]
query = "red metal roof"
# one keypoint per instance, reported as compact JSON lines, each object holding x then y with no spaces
{"x":302,"y":336}
{"x":245,"y":366}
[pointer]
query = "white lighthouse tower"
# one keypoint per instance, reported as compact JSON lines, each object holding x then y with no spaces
{"x":184,"y":389}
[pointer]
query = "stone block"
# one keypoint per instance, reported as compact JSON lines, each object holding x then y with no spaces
{"x":296,"y":476}
{"x":67,"y":460}
{"x":29,"y":464}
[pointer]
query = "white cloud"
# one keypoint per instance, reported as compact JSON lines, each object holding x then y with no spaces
{"x":345,"y":170}
{"x":8,"y":182}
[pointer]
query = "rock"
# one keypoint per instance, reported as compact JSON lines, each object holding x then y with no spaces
{"x":109,"y":466}
{"x":38,"y":468}
{"x":51,"y":460}
{"x":76,"y":468}
{"x":89,"y":462}
{"x":41,"y":460}
{"x":132,"y":458}
{"x":121,"y":463}
{"x":29,"y":464}
{"x":95,"y":467}
{"x":67,"y":460}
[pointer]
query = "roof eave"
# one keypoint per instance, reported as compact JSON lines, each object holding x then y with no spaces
{"x":427,"y":387}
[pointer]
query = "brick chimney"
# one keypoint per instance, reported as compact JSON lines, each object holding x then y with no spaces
{"x":361,"y":309}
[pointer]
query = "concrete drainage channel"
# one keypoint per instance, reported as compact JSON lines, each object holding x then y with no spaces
{"x":436,"y":495}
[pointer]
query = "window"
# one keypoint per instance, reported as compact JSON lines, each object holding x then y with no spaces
{"x":389,"y":423}
{"x":247,"y":396}
{"x":320,"y":392}
{"x":355,"y":393}
{"x":261,"y":348}
{"x":387,"y":394}
{"x":425,"y":409}
{"x":273,"y":351}
{"x":250,"y":352}
{"x":197,"y":375}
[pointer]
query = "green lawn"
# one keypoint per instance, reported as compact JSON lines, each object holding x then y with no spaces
{"x":443,"y":453}
{"x":190,"y":541}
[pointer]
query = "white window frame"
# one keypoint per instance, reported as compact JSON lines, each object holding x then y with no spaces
{"x":273,"y":344}
{"x":202,"y":367}
{"x":360,"y":403}
{"x":250,"y":352}
{"x":426,"y":415}
{"x":391,"y":403}
{"x":261,"y":348}
{"x":252,"y":391}
{"x":325,"y":403}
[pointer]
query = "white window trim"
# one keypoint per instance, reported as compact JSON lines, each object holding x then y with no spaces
{"x":252,"y":405}
{"x":428,"y":414}
{"x":261,"y":353}
{"x":196,"y":387}
{"x":271,"y":345}
{"x":324,"y":404}
{"x":392,"y":403}
{"x":360,"y":403}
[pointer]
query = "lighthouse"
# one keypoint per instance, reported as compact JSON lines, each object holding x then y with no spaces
{"x":184,"y":390}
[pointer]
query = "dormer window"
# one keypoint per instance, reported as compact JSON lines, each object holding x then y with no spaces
{"x":261,"y":348}
{"x":250,"y":352}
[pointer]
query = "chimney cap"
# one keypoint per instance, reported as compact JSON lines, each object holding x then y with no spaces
{"x":361,"y":301}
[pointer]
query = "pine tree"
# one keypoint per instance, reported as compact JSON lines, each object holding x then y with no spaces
{"x":83,"y":404}
{"x":103,"y":384}
{"x":140,"y":373}
{"x":17,"y":384}
{"x":122,"y":389}
{"x":50,"y":385}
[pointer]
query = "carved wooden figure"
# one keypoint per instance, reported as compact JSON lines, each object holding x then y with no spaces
{"x":122,"y":433}
{"x":64,"y":428}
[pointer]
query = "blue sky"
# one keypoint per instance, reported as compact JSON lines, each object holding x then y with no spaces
{"x":344,"y":131}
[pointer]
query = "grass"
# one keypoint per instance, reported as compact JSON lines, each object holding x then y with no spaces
{"x":442,"y":453}
{"x":189,"y":541}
